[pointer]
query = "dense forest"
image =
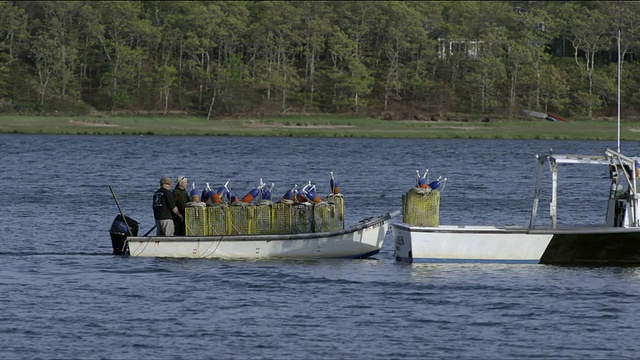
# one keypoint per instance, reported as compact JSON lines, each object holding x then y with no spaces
{"x":355,"y":57}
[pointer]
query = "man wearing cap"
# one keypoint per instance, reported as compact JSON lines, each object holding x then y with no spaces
{"x":182,"y":198}
{"x":164,"y":206}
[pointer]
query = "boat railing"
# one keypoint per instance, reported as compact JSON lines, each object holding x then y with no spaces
{"x":622,"y":165}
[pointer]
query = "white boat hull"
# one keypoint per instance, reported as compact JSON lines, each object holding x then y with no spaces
{"x":455,"y":244}
{"x":586,"y":245}
{"x":361,"y":240}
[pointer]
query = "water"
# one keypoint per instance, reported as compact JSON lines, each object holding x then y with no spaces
{"x":63,"y":295}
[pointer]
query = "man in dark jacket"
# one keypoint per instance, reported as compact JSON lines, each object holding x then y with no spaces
{"x":182,"y":198}
{"x":164,"y":206}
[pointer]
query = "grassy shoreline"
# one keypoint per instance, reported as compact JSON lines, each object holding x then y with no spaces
{"x":320,"y":126}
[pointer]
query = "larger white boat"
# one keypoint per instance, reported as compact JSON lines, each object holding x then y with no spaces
{"x":614,"y":242}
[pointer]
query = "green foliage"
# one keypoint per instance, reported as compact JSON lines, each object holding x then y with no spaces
{"x":349,"y":56}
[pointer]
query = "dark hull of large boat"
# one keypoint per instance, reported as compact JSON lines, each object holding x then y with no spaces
{"x":607,"y":248}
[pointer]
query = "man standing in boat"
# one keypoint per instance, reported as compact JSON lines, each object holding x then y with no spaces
{"x":164,"y":206}
{"x":181,"y":198}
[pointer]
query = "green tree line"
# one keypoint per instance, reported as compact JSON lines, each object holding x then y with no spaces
{"x":361,"y":57}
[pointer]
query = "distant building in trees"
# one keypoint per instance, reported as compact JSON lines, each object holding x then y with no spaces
{"x":447,"y":48}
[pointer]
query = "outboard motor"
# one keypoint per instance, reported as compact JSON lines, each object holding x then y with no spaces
{"x":119,"y":234}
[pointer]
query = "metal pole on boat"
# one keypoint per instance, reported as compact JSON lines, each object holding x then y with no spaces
{"x":536,"y":197}
{"x":120,"y":209}
{"x":634,"y":198}
{"x":553,"y":209}
{"x":619,"y":67}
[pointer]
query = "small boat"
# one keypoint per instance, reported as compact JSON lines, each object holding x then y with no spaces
{"x":361,"y":240}
{"x":615,"y":242}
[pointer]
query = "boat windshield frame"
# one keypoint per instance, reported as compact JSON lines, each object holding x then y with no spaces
{"x":618,"y":165}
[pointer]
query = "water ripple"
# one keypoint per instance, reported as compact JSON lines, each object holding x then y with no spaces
{"x":63,"y":295}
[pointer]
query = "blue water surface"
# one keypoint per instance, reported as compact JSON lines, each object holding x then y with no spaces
{"x":63,"y":295}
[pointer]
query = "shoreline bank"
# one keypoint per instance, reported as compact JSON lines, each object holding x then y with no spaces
{"x":319,"y":126}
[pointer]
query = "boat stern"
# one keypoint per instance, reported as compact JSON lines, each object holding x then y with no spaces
{"x":119,"y":231}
